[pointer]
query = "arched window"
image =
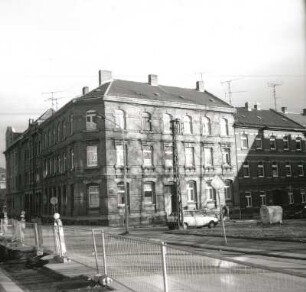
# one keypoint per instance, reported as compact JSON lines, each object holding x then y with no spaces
{"x":187,"y":125}
{"x":224,"y":127}
{"x":191,"y":191}
{"x":120,"y":119}
{"x":91,"y":120}
{"x":146,"y":122}
{"x":167,"y":123}
{"x":206,"y":126}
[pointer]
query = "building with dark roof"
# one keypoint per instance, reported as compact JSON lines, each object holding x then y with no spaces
{"x":271,"y":160}
{"x":120,"y":134}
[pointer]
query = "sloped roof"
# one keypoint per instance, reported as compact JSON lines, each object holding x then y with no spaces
{"x":158,"y":93}
{"x":298,"y":118}
{"x":264,"y":118}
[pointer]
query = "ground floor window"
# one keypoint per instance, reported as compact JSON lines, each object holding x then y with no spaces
{"x":191,"y":191}
{"x":93,"y":197}
{"x":263,"y":198}
{"x":303,"y":194}
{"x":290,"y":196}
{"x":148,"y":190}
{"x":248,"y":197}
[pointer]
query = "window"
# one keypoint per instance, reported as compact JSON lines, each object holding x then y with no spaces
{"x":258,"y":142}
{"x":168,"y":156}
{"x":286,"y":142}
{"x":246,"y":169}
{"x":263,"y":198}
{"x":146,"y":122}
{"x":224,"y":127}
{"x":91,"y":120}
{"x":210,"y":192}
{"x":167,"y":123}
{"x":260,"y":169}
{"x":290,"y":196}
{"x":93,"y":197}
{"x":303,"y":195}
{"x":119,"y":155}
{"x":288,"y":168}
{"x":272,"y":143}
{"x":248,"y":198}
{"x":226,"y":156}
{"x":64,"y":161}
{"x":71,"y":124}
{"x":301,"y":168}
{"x":92,"y":158}
{"x":120,"y":119}
{"x":120,"y":193}
{"x":147,"y":156}
{"x":206,"y":126}
{"x":148,"y":190}
{"x":187,"y":125}
{"x":189,"y":155}
{"x":274,"y":169}
{"x":59,"y":164}
{"x":208,"y":156}
{"x":298,"y":144}
{"x":64,"y":129}
{"x":191,"y":191}
{"x":228,"y":190}
{"x":59,"y":131}
{"x":244,"y":142}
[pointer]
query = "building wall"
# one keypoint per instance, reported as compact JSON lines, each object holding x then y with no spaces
{"x":276,"y":188}
{"x":37,"y":171}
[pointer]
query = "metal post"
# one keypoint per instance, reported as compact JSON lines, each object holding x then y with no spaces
{"x":95,"y":250}
{"x":104,"y":253}
{"x":36,"y":236}
{"x":221,"y":217}
{"x":164,"y":263}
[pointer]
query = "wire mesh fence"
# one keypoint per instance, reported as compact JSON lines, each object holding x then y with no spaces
{"x":143,"y":265}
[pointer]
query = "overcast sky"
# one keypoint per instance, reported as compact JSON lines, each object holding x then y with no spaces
{"x":59,"y":46}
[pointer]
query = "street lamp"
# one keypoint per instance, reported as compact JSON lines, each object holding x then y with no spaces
{"x":126,"y":215}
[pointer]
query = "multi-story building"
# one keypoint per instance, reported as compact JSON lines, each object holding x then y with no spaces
{"x":271,"y":159}
{"x":120,"y":134}
{"x":2,"y":188}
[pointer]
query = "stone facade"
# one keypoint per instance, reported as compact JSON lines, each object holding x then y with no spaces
{"x":77,"y":154}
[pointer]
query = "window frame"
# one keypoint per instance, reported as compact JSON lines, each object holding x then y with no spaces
{"x":147,"y":162}
{"x":146,"y":122}
{"x":167,"y":128}
{"x":300,"y":167}
{"x":249,"y":199}
{"x":298,"y":141}
{"x":91,"y":125}
{"x":244,"y":141}
{"x":246,"y":167}
{"x":273,"y":140}
{"x":286,"y":142}
{"x":187,"y":121}
{"x":224,"y":128}
{"x":92,"y":150}
{"x":263,"y":198}
{"x":152,"y":190}
{"x":206,"y":126}
{"x":120,"y":119}
{"x":189,"y":155}
{"x":288,"y":168}
{"x":191,"y":191}
{"x":257,"y":140}
{"x":274,"y":166}
{"x":91,"y":193}
{"x":208,"y":150}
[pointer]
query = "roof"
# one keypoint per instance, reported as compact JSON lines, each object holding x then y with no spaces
{"x":158,"y":93}
{"x":264,"y":118}
{"x":298,"y":118}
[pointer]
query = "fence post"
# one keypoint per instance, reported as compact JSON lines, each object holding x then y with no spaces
{"x":59,"y":239}
{"x":95,"y":250}
{"x":104,"y":253}
{"x":164,"y":265}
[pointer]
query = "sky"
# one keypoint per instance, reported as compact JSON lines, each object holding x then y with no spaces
{"x":60,"y":45}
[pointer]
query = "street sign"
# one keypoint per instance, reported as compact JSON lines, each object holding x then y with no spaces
{"x":54,"y":200}
{"x":217,"y":183}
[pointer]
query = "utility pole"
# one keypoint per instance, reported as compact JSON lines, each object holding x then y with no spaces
{"x":52,"y":98}
{"x":273,"y":85}
{"x":176,"y":127}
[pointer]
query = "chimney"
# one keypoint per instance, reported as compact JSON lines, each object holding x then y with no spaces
{"x":85,"y":90}
{"x":257,"y":106}
{"x":284,"y":109}
{"x":200,"y":86}
{"x":153,"y":79}
{"x":304,"y":111}
{"x":104,"y":76}
{"x":247,"y":106}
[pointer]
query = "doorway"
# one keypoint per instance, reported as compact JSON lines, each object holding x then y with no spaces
{"x":277,"y":197}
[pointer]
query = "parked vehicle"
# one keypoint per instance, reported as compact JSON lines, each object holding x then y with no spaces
{"x":193,"y":219}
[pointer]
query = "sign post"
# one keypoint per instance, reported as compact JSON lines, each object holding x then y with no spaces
{"x":53,"y":202}
{"x":219,"y":184}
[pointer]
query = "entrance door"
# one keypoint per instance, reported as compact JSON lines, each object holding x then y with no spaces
{"x":170,"y":198}
{"x":277,"y":197}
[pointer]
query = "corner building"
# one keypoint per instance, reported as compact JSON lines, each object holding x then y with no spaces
{"x":122,"y":132}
